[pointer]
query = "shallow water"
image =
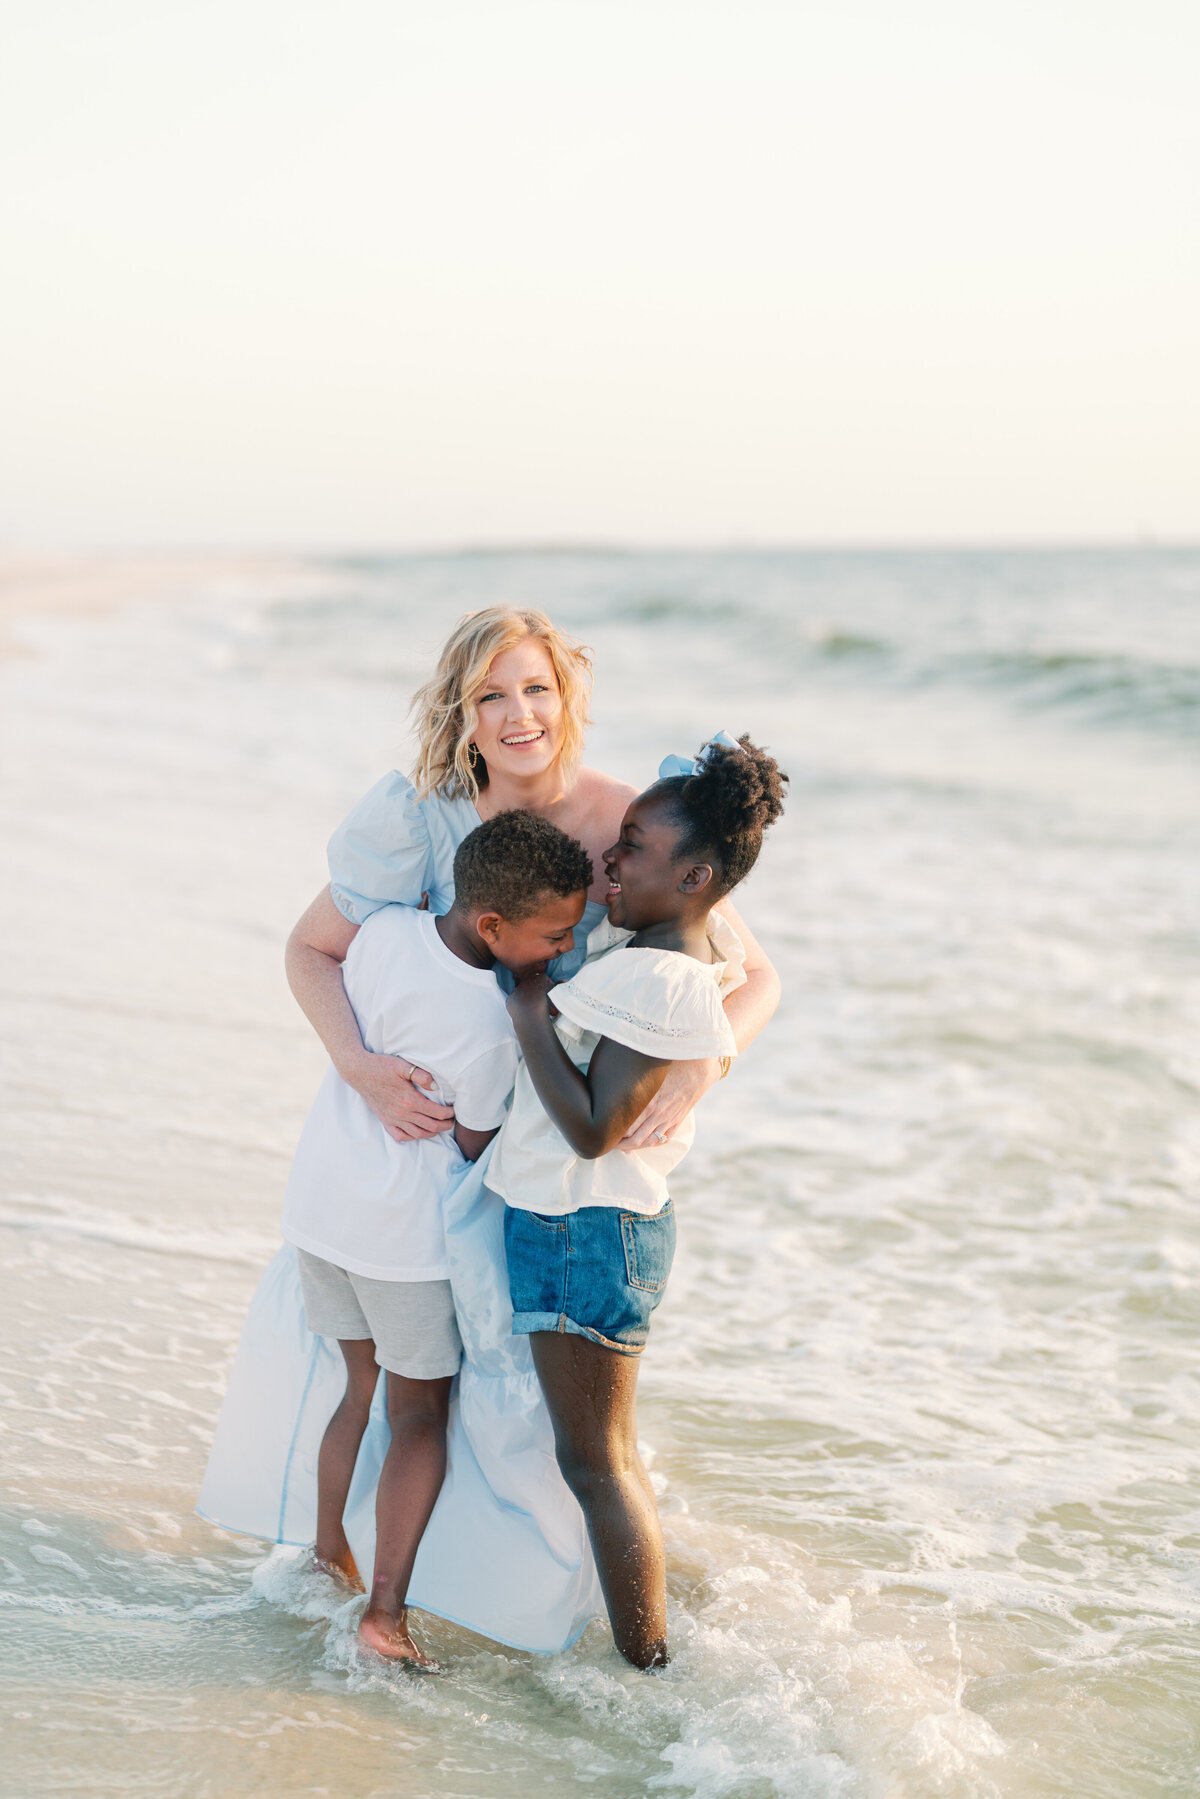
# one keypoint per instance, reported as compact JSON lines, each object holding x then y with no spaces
{"x":923,"y":1396}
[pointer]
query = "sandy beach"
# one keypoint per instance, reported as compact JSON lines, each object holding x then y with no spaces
{"x":923,"y":1393}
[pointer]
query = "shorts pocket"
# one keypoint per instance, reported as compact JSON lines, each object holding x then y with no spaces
{"x":649,"y":1247}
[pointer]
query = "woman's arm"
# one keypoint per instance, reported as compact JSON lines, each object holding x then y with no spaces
{"x":391,"y":1086}
{"x":592,"y":1110}
{"x":753,"y":1005}
{"x":748,"y":1008}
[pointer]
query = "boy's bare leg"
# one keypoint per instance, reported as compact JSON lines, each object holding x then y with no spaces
{"x":408,"y":1488}
{"x":591,"y":1393}
{"x":335,"y":1463}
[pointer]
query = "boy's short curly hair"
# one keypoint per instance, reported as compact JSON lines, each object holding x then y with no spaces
{"x":513,"y":861}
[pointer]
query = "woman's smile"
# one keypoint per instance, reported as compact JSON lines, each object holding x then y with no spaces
{"x":519,"y":712}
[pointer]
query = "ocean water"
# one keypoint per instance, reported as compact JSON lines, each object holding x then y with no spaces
{"x":924,"y":1395}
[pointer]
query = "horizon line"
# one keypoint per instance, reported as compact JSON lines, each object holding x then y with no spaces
{"x":382,"y":550}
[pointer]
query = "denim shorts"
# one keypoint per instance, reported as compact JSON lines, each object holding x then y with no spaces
{"x":598,"y":1272}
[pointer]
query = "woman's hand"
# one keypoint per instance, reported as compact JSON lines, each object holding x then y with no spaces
{"x":392,"y":1087}
{"x":685,"y":1085}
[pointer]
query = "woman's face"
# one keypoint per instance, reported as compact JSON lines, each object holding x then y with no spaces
{"x":520,"y":728}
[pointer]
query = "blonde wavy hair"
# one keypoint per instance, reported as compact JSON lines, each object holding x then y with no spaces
{"x":445,"y":714}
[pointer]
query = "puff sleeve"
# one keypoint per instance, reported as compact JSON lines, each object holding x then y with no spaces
{"x":655,"y":1001}
{"x":380,"y":854}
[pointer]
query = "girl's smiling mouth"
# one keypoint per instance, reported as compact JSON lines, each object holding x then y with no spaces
{"x":519,"y":739}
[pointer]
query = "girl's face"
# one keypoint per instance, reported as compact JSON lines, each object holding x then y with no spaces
{"x":646,"y":885}
{"x":520,"y":728}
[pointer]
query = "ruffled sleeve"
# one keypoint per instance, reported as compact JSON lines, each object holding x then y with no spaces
{"x":380,"y":853}
{"x":656,"y":1001}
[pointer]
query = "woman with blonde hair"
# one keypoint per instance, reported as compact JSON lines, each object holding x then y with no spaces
{"x":500,"y":725}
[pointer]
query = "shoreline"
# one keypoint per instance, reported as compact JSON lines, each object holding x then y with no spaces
{"x":95,"y":584}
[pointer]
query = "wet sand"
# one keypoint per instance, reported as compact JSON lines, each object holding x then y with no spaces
{"x":925,"y":1387}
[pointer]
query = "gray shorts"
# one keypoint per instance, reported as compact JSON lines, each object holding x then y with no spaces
{"x":411,"y":1323}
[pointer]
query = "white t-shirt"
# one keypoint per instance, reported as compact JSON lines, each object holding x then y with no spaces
{"x":355,"y":1196}
{"x":659,"y":1001}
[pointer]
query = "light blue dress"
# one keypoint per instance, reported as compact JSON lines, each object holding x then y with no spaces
{"x":506,"y":1550}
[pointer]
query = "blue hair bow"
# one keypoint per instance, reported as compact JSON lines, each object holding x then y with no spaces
{"x":683,"y":765}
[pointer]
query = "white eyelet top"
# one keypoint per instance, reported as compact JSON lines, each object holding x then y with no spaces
{"x":658,"y":1001}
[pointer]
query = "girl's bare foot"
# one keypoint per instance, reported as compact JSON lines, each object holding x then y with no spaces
{"x":343,"y":1574}
{"x":386,"y":1634}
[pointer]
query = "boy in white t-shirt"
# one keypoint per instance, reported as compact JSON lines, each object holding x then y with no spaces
{"x":365,"y":1211}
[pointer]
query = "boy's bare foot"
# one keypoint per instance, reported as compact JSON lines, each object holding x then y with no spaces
{"x":383,"y":1633}
{"x":342,"y":1574}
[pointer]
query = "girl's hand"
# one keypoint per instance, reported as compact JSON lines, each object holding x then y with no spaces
{"x":685,"y":1085}
{"x":393,"y":1088}
{"x":529,"y":994}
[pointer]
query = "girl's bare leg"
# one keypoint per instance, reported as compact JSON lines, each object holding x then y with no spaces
{"x":591,"y":1394}
{"x":408,"y":1488}
{"x":335,"y":1462}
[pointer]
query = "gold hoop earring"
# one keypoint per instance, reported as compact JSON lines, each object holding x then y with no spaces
{"x":472,"y":754}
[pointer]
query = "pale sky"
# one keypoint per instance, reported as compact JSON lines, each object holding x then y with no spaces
{"x":372,"y":273}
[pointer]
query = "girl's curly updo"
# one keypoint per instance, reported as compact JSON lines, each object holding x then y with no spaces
{"x":725,"y":807}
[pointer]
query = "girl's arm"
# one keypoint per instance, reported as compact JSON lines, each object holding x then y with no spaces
{"x":313,"y":959}
{"x":472,"y":1143}
{"x":748,"y":1009}
{"x":592,"y":1110}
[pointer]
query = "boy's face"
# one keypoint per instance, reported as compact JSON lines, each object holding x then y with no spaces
{"x":526,"y":945}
